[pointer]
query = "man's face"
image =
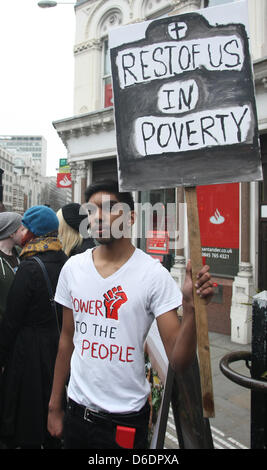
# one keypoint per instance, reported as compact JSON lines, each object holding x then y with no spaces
{"x":18,"y":235}
{"x":108,"y":218}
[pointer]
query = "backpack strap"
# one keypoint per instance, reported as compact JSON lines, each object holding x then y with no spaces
{"x":51,"y":297}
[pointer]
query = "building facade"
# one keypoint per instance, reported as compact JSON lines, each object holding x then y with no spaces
{"x":237,"y":253}
{"x":34,"y":144}
{"x":52,"y":196}
{"x":21,"y":180}
{"x":27,"y":182}
{"x":6,"y":164}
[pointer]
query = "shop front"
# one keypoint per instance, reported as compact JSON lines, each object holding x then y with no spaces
{"x":164,"y":238}
{"x":157,"y":222}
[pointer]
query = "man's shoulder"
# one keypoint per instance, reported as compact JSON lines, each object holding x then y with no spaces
{"x":145,"y":258}
{"x":79,"y":259}
{"x":152,"y":266}
{"x":149,"y":260}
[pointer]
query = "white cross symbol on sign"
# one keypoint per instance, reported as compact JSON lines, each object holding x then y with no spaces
{"x":177,"y":30}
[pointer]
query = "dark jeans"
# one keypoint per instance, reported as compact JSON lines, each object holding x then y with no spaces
{"x":99,"y":432}
{"x":49,"y":443}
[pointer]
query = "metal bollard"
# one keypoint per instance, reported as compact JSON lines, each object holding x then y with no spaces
{"x":257,"y":359}
{"x":258,"y":369}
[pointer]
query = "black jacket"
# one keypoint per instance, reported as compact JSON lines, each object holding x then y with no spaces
{"x":28,"y":347}
{"x":86,"y":243}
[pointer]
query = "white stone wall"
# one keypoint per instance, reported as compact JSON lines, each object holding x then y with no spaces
{"x":93,"y":21}
{"x":258,"y":28}
{"x":95,"y":18}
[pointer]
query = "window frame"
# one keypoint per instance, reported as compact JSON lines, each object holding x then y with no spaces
{"x":106,"y":70}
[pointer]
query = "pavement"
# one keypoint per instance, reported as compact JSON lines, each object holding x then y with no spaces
{"x":230,"y":427}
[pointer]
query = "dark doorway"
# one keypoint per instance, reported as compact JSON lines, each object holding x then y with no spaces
{"x":105,"y":169}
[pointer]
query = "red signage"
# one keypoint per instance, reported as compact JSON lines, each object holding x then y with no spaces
{"x":218,"y":207}
{"x":64,"y":180}
{"x":108,"y":95}
{"x":157,"y":242}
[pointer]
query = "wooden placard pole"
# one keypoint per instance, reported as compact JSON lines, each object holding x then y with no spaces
{"x":200,"y":307}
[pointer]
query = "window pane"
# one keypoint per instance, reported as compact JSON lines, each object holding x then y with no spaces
{"x":107,"y":69}
{"x":108,"y":101}
{"x":159,"y":220}
{"x":213,"y":3}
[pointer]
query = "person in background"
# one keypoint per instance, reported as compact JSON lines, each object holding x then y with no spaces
{"x":10,"y":237}
{"x":29,"y":335}
{"x":72,"y":230}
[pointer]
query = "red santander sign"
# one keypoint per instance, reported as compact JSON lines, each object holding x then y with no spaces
{"x":218,"y":207}
{"x":64,"y":180}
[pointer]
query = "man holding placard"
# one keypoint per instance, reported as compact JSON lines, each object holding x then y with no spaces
{"x":111,"y":295}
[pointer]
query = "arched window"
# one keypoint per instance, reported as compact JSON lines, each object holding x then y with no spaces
{"x":113,"y":18}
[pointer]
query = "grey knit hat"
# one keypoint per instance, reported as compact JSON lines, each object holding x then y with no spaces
{"x":9,"y":223}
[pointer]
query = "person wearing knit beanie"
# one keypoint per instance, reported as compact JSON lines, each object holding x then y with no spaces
{"x":11,"y":233}
{"x":40,"y":220}
{"x":9,"y":224}
{"x":41,"y":235}
{"x":72,"y":215}
{"x":72,"y":230}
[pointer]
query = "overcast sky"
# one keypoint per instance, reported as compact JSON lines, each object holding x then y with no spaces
{"x":37,"y":70}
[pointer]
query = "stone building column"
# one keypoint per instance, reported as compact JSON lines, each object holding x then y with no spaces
{"x":82,"y":181}
{"x":88,"y":76}
{"x":74,"y":181}
{"x":257,"y":20}
{"x":243,"y":285}
{"x":89,"y":167}
{"x":179,"y":267}
{"x":79,"y":180}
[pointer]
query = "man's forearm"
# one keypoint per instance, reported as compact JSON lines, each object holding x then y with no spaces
{"x":186,"y":342}
{"x":61,"y":373}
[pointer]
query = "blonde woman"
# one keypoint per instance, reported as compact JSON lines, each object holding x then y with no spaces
{"x":70,"y":221}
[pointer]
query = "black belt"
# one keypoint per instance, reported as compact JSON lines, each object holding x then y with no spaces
{"x":94,"y":416}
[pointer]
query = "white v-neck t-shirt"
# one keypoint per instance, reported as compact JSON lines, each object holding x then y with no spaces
{"x":112,"y":317}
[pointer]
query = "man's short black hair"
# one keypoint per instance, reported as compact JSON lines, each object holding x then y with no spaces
{"x":111,"y":187}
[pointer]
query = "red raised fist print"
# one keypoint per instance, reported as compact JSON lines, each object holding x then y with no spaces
{"x":114,"y":298}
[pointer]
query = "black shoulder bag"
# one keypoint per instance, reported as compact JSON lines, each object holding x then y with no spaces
{"x":51,"y":297}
